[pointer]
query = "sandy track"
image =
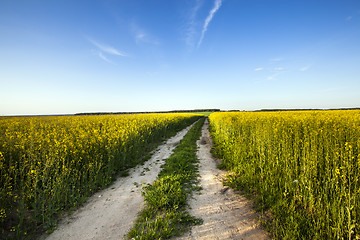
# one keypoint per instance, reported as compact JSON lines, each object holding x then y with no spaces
{"x":110,"y":213}
{"x":226,"y":215}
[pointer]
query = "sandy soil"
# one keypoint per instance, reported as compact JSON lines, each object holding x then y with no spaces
{"x":226,"y":215}
{"x":110,"y":213}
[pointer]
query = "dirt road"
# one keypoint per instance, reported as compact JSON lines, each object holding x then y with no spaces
{"x":110,"y":213}
{"x":226,"y":215}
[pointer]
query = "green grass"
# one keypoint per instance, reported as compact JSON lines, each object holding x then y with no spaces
{"x":165,"y":214}
{"x":206,"y":114}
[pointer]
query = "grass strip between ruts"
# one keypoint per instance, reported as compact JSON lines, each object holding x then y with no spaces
{"x":165,"y":214}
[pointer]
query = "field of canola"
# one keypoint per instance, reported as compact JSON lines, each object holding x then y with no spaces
{"x":51,"y":164}
{"x":303,"y":168}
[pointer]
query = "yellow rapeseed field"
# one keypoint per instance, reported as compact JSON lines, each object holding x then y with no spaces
{"x":50,"y":164}
{"x":303,"y":167}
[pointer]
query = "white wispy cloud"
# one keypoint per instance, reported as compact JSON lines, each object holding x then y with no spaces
{"x":107,"y":49}
{"x":275,"y":72}
{"x":349,"y":18}
{"x":103,"y":57}
{"x":273,"y":76}
{"x":195,"y":9}
{"x":275,"y":60}
{"x":192,"y":24}
{"x":141,"y":35}
{"x":103,"y":51}
{"x":305,"y":68}
{"x":258,"y":69}
{"x":217,"y":5}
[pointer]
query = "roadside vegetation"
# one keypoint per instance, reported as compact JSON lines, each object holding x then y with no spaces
{"x":165,"y":213}
{"x":302,"y":168}
{"x":206,"y":114}
{"x":50,"y":165}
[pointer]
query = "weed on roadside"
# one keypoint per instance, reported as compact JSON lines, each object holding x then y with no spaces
{"x":165,"y":214}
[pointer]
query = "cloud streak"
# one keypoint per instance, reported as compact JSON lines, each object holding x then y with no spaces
{"x":273,"y":76}
{"x":107,"y":49}
{"x":103,"y":57}
{"x":141,"y":36}
{"x":191,"y":30}
{"x":217,"y":5}
{"x":305,"y":68}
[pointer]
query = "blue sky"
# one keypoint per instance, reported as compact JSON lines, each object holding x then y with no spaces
{"x":69,"y":56}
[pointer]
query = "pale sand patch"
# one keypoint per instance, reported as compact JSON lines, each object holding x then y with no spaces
{"x":111,"y":213}
{"x":226,"y":215}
